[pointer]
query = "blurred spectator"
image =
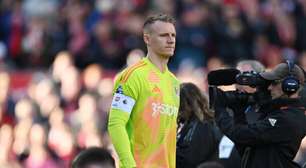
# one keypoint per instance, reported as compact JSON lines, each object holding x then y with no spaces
{"x":105,"y":90}
{"x":105,"y":48}
{"x":134,"y":56}
{"x":300,"y":25}
{"x":63,"y":60}
{"x":44,"y":95}
{"x":192,"y":36}
{"x":61,"y":139}
{"x":87,"y":109}
{"x":215,"y":63}
{"x":6,"y":102}
{"x":70,"y":89}
{"x":3,"y":51}
{"x":25,"y":110}
{"x":7,"y":157}
{"x":187,"y":72}
{"x":21,"y":141}
{"x":93,"y":157}
{"x":39,"y":156}
{"x":232,"y":34}
{"x":13,"y":32}
{"x":89,"y":135}
{"x":92,"y":76}
{"x":197,"y":137}
{"x":269,"y":55}
{"x":87,"y":121}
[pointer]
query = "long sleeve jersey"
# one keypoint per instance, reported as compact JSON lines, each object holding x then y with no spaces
{"x":142,"y":120}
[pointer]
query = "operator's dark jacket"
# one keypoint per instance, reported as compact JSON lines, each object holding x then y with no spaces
{"x":272,"y":141}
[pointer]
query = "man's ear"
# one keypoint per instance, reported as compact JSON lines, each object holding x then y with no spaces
{"x":146,"y":38}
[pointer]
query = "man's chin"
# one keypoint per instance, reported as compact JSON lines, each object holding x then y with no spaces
{"x":168,"y":55}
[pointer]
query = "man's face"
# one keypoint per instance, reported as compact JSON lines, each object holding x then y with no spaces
{"x":161,"y":38}
{"x":276,"y":89}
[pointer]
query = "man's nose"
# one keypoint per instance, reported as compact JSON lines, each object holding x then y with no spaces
{"x":170,"y":39}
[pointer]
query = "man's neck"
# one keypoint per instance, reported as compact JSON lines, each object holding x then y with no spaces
{"x":292,"y":96}
{"x":158,"y":61}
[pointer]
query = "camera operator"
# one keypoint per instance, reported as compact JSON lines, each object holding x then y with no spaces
{"x":273,"y":140}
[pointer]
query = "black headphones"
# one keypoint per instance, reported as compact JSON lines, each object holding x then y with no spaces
{"x":290,"y":84}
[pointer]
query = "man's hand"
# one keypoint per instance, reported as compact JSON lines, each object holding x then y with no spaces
{"x":219,"y":101}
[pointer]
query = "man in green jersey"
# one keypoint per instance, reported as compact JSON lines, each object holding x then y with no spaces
{"x":142,"y":119}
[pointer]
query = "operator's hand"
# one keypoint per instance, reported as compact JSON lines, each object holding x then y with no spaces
{"x":220,"y":101}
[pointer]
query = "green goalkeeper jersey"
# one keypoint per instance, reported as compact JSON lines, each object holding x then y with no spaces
{"x":142,"y":119}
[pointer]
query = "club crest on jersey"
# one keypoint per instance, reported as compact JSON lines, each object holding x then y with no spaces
{"x":119,"y":90}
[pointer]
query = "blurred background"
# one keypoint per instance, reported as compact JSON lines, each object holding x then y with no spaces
{"x":58,"y":59}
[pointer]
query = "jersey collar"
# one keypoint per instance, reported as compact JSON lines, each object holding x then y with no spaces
{"x":146,"y":60}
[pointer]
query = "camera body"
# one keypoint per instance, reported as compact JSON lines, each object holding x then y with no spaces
{"x":250,"y":78}
{"x":233,"y":98}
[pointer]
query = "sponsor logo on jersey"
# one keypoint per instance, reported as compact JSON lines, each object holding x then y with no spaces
{"x":163,"y":109}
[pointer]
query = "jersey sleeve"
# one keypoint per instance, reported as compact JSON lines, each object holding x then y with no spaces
{"x":124,"y":98}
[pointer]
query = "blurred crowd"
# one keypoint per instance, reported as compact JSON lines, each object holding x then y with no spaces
{"x":74,"y":48}
{"x":32,"y":32}
{"x":61,"y":112}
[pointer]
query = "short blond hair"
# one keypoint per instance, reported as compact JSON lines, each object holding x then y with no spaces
{"x":157,"y":17}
